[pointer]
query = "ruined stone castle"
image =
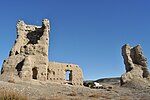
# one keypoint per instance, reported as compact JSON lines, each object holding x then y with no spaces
{"x":28,"y":59}
{"x":136,"y":66}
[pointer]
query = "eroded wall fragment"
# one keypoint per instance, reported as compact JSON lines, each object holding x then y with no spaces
{"x":135,"y":64}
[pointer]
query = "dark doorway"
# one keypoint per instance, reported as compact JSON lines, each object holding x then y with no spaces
{"x":34,"y":73}
{"x":19,"y":67}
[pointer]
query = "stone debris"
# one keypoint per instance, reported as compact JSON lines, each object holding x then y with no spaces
{"x":28,"y":59}
{"x":135,"y":64}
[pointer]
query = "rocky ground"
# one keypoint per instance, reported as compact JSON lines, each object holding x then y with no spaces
{"x":36,"y":90}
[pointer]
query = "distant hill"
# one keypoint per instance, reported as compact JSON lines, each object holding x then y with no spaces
{"x":113,"y":80}
{"x":108,"y":80}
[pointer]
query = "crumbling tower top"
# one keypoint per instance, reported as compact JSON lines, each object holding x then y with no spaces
{"x":136,"y":66}
{"x":28,"y":59}
{"x":31,"y":36}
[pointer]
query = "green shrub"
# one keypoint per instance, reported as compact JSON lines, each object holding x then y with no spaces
{"x":88,"y":84}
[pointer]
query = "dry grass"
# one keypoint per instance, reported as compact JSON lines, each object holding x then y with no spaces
{"x":11,"y":81}
{"x":57,"y":98}
{"x":99,"y":95}
{"x":54,"y":98}
{"x":72,"y":94}
{"x":5,"y":95}
{"x":124,"y":98}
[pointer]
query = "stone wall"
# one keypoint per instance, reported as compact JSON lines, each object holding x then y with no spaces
{"x":57,"y":72}
{"x":28,"y":59}
{"x":29,"y":54}
{"x":135,"y":64}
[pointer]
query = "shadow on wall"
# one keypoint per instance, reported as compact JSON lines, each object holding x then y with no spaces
{"x":19,"y":67}
{"x":34,"y":36}
{"x":34,"y":73}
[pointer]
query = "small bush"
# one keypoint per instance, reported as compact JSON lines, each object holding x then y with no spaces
{"x":88,"y":84}
{"x":95,"y":95}
{"x":72,"y":94}
{"x":11,"y":81}
{"x":98,"y":95}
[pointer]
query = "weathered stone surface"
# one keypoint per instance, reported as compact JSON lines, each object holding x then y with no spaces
{"x":28,"y":59}
{"x":57,"y":73}
{"x":135,"y":64}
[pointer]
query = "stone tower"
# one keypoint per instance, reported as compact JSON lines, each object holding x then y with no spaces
{"x":136,"y":66}
{"x":28,"y":59}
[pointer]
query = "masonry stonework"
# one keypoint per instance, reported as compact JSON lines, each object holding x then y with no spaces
{"x":135,"y":64}
{"x":28,"y":59}
{"x":57,"y":72}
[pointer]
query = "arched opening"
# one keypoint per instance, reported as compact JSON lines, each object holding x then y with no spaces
{"x":19,"y":67}
{"x":34,"y":73}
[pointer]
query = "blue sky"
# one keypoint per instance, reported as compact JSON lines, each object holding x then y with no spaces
{"x":85,"y":32}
